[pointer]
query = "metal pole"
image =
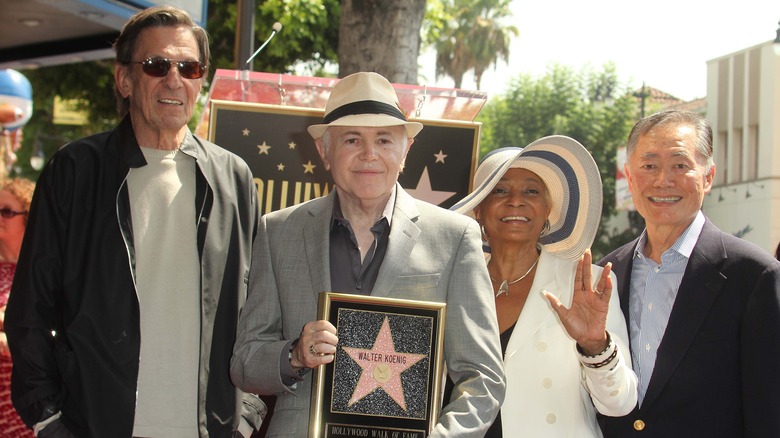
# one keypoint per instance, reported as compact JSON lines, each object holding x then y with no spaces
{"x":245,"y":34}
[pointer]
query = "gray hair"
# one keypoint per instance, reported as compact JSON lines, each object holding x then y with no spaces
{"x":157,"y":16}
{"x":675,"y":117}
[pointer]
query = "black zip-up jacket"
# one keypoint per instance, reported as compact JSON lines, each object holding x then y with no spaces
{"x":73,"y":321}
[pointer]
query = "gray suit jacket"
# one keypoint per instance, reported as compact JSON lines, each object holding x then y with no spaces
{"x":432,"y":255}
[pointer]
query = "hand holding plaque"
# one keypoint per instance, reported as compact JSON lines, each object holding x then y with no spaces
{"x":316,"y":345}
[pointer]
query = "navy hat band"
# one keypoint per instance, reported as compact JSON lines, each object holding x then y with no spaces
{"x":363,"y":107}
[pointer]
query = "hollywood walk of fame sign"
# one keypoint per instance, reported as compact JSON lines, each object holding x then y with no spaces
{"x":287,"y":170}
{"x":386,"y":379}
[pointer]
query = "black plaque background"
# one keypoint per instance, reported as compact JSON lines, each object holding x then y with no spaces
{"x":279,"y":126}
{"x":392,"y":422}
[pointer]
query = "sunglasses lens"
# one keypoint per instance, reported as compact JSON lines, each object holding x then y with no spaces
{"x":191,"y":69}
{"x":7,"y":213}
{"x":156,"y":67}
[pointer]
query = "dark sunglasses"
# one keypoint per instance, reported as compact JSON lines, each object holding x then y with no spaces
{"x":159,"y":67}
{"x":8,"y":213}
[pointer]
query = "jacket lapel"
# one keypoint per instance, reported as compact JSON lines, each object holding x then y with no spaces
{"x":536,"y":311}
{"x":701,"y":284}
{"x":403,"y":236}
{"x":316,"y":242}
{"x":622,"y":269}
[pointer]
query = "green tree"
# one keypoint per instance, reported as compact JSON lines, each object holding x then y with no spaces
{"x":310,"y":32}
{"x":469,"y":35}
{"x":590,"y":106}
{"x":490,"y":38}
{"x":90,"y":84}
{"x":309,"y":35}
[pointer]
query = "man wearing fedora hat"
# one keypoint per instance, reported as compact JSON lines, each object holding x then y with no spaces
{"x":368,"y":236}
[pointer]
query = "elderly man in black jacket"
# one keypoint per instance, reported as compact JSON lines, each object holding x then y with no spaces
{"x":123,"y":313}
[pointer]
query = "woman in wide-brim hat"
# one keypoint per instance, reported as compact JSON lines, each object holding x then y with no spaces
{"x":563,"y":334}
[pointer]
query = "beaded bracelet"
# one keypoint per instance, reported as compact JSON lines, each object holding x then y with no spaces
{"x":609,"y":345}
{"x":605,"y":362}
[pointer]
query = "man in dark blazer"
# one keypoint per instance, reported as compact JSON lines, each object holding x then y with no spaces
{"x":702,"y":306}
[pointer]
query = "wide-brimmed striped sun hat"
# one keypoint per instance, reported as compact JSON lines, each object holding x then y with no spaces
{"x":572,"y":179}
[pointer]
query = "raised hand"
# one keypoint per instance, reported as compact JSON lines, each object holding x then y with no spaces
{"x":586,"y":319}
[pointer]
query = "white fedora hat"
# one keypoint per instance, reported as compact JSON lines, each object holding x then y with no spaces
{"x":572,"y":179}
{"x":364,"y":99}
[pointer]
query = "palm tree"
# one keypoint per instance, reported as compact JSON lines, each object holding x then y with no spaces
{"x":472,"y":38}
{"x":489,"y":40}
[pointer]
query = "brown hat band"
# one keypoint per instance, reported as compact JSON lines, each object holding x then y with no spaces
{"x":363,"y":107}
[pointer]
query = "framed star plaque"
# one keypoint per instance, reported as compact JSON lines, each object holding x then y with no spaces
{"x":386,"y":379}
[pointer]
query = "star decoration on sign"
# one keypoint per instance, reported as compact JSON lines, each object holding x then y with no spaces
{"x":263,"y":148}
{"x":424,"y":192}
{"x":382,"y":367}
{"x":280,"y":167}
{"x":245,"y":132}
{"x":291,"y":145}
{"x":309,"y":168}
{"x":440,"y":157}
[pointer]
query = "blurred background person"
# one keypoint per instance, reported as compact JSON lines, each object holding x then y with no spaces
{"x":539,"y":209}
{"x":15,"y":197}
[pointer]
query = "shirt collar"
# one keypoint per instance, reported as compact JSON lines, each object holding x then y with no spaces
{"x":387,"y":212}
{"x":685,"y":243}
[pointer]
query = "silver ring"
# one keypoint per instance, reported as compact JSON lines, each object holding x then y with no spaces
{"x":597,"y":292}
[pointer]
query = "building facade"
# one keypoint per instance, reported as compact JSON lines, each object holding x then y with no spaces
{"x":743,"y":106}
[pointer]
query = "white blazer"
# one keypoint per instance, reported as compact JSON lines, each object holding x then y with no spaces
{"x":549,"y":393}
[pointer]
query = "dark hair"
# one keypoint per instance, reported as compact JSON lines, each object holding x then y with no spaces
{"x":157,"y":16}
{"x":777,"y":252}
{"x":675,"y":117}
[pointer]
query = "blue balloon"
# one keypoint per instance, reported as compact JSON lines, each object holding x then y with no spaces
{"x":15,"y":99}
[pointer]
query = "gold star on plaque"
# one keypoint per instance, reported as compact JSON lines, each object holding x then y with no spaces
{"x":263,"y":148}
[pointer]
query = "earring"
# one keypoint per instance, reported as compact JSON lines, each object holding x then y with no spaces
{"x":484,"y":233}
{"x":545,"y":228}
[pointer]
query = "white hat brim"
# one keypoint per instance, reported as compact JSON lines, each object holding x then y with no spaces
{"x":369,"y":121}
{"x":572,"y":179}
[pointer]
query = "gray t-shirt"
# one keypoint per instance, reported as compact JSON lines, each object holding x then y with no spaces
{"x":162,"y":202}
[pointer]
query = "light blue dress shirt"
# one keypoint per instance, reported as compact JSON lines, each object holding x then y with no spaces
{"x":653,"y":291}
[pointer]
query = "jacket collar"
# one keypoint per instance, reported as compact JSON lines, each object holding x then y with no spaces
{"x":130,"y":151}
{"x":553,"y":275}
{"x":403,"y":236}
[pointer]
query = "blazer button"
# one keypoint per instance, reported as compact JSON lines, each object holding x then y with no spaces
{"x":639,"y":425}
